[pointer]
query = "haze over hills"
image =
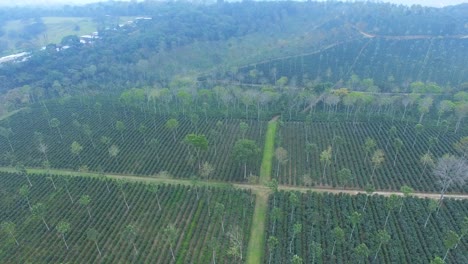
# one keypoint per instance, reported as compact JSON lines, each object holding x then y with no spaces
{"x":434,"y":3}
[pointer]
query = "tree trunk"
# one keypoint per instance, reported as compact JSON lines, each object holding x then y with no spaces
{"x":47,"y":226}
{"x":396,"y":156}
{"x":333,"y":249}
{"x":386,"y":219}
{"x":134,"y":247}
{"x":365,"y":203}
{"x":446,"y":253}
{"x":172,"y":253}
{"x":9,"y":142}
{"x":27,"y":177}
{"x":89,"y":213}
{"x":214,"y":257}
{"x":16,"y":241}
{"x":63,"y":237}
{"x":352,"y":231}
{"x":427,"y":219}
{"x":125,"y":200}
{"x":378,"y":250}
{"x":95,"y":242}
{"x":29,"y":204}
{"x":69,"y":195}
{"x":245,"y":170}
{"x":157,"y":199}
{"x":53,"y":183}
{"x":61,"y":137}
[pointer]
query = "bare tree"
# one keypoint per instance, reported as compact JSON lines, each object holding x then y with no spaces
{"x":450,"y":171}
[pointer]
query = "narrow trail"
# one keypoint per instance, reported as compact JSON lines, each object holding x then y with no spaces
{"x":219,"y":184}
{"x":257,"y":233}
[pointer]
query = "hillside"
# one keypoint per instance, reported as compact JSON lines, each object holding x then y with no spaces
{"x":247,"y":132}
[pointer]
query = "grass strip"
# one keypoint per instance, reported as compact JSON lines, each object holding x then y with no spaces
{"x":268,"y":152}
{"x":257,"y":234}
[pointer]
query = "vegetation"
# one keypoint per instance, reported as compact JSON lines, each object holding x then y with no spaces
{"x":219,"y":114}
{"x":115,"y":232}
{"x":354,"y":146}
{"x":79,"y":139}
{"x":327,"y":218}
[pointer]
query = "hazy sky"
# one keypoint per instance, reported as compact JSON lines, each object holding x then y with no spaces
{"x":437,"y":3}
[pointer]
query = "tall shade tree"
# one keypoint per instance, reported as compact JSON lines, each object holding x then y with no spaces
{"x":432,"y":207}
{"x":85,"y":200}
{"x":89,"y":133}
{"x":369,"y":191}
{"x":281,"y":156}
{"x":355,"y":219}
{"x":445,"y":106}
{"x":325,"y":158}
{"x":63,"y":227}
{"x":450,"y":171}
{"x":9,"y":228}
{"x":392,"y":132}
{"x":236,"y":242}
{"x":43,"y":149}
{"x":243,"y":127}
{"x":153,"y":188}
{"x":398,"y":144}
{"x":461,"y":146}
{"x":391,"y":203}
{"x":377,"y":159}
{"x":339,"y":236}
{"x":437,"y":260}
{"x":383,"y":237}
{"x":344,"y":176}
{"x":198,"y":143}
{"x":214,"y":245}
{"x":407,"y":191}
{"x":450,"y":241}
{"x":362,"y":252}
{"x":206,"y":170}
{"x":24,"y":192}
{"x":276,"y":215}
{"x":143,"y":131}
{"x":7,"y":133}
{"x":461,"y":110}
{"x":427,"y":161}
{"x":39,"y":210}
{"x":120,"y":185}
{"x":245,"y":150}
{"x":296,"y":260}
{"x":316,"y":251}
{"x":424,"y":105}
{"x":93,"y":235}
{"x":170,"y":235}
{"x":21,"y":170}
{"x":120,"y":126}
{"x":369,"y":147}
{"x":309,"y":149}
{"x":76,"y":149}
{"x":272,"y":244}
{"x":418,"y":129}
{"x":114,"y":152}
{"x":172,"y":124}
{"x":66,"y":183}
{"x":130,"y":234}
{"x":55,"y":123}
{"x":219,"y":213}
{"x":297,"y":229}
{"x":337,"y":142}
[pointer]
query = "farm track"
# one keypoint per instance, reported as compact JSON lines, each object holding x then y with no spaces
{"x":253,"y":187}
